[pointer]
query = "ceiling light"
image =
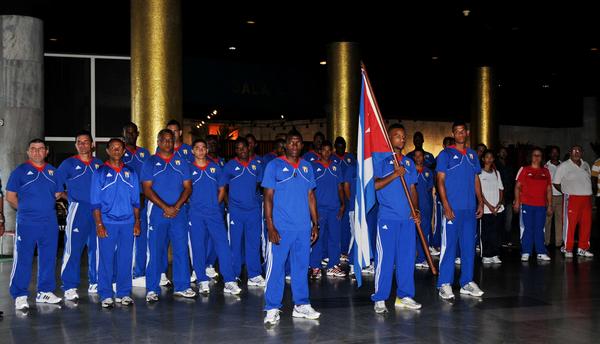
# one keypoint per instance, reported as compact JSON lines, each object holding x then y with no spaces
{"x":214,"y":112}
{"x":202,"y":122}
{"x":434,"y":57}
{"x":250,"y":22}
{"x":594,"y":49}
{"x":208,"y":116}
{"x":466,"y":12}
{"x":232,"y":48}
{"x":53,"y":39}
{"x":323,"y":63}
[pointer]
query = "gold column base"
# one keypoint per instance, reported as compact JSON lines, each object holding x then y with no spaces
{"x":156,"y":91}
{"x":484,"y":126}
{"x":343,"y":65}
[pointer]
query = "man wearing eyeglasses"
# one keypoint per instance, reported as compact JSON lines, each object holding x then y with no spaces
{"x":573,"y":179}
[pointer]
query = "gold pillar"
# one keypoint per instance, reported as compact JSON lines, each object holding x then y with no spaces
{"x":343,"y":65}
{"x":156,"y":95}
{"x":484,"y":126}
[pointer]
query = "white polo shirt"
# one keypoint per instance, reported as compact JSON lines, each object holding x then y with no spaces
{"x":552,"y":168}
{"x":595,"y":173}
{"x":491,"y":184}
{"x":574,"y":180}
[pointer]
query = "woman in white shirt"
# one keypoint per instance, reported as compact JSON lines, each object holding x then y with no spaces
{"x":493,"y":211}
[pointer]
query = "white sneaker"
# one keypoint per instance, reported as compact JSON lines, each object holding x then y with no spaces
{"x":257,"y":281}
{"x":369,"y":270}
{"x":272,"y":317}
{"x":584,"y":253}
{"x":139,"y":282}
{"x":407,"y":302}
{"x":525,"y":257}
{"x":496,"y":260}
{"x":204,"y":287}
{"x":210,"y":272}
{"x":71,"y":295}
{"x":336,"y":271}
{"x":288,"y":278}
{"x":108,"y":303}
{"x":487,"y":260}
{"x":232,"y":288}
{"x":380,"y":307}
{"x":472,"y":289}
{"x":422,"y":265}
{"x":151,"y":297}
{"x":193,"y":278}
{"x":351,"y":273}
{"x":125,"y":300}
{"x":21,"y":303}
{"x":93,"y":289}
{"x":568,"y":254}
{"x":164,"y":281}
{"x":457,"y":261}
{"x":543,"y":257}
{"x":563,"y":249}
{"x":324,"y":262}
{"x":433,"y":251}
{"x":47,"y":297}
{"x":477,"y":248}
{"x":189,"y":293}
{"x":306,"y":312}
{"x":445,"y":292}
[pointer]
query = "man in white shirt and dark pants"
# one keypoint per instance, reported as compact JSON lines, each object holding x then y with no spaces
{"x":557,"y":203}
{"x":573,"y":179}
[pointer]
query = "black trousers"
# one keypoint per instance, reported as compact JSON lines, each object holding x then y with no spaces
{"x":491,"y":228}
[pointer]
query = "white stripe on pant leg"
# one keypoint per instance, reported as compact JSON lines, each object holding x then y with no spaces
{"x":269,"y":265}
{"x":72,"y":211}
{"x":566,"y":219}
{"x":263,"y":239}
{"x":190,"y":248}
{"x":444,"y":243}
{"x":15,"y":255}
{"x":149,"y":207}
{"x":351,"y":220}
{"x":228,"y":229}
{"x":379,"y":259}
{"x":521,"y":224}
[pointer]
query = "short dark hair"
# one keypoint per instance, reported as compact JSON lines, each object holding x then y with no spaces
{"x":196,"y":141}
{"x":250,"y":135}
{"x":327,"y":143}
{"x":115,"y":139}
{"x":530,"y":155}
{"x":296,"y":133}
{"x":458,"y":124}
{"x":486,"y":152}
{"x":241,"y":140}
{"x":340,"y":141}
{"x":419,"y":150}
{"x":318,"y":133}
{"x":280,"y":142}
{"x":37,"y":140}
{"x":448,"y":139}
{"x":396,"y":126}
{"x":164,"y":132}
{"x":130,"y":125}
{"x":84,"y":132}
{"x":417,"y":133}
{"x":481,"y":144}
{"x":174,"y":122}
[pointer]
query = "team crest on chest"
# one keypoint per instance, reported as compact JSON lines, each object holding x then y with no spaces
{"x":407,"y":162}
{"x":142,"y":154}
{"x":126,"y":174}
{"x":97,"y":166}
{"x":185,"y":151}
{"x":51,"y":172}
{"x":471,"y":156}
{"x":426,"y":174}
{"x":349,"y":160}
{"x":177,"y":162}
{"x":213,"y":170}
{"x":305,"y":169}
{"x":254,"y":167}
{"x":334,"y":168}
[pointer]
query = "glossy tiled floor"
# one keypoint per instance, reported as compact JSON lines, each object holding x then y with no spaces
{"x":532,"y":303}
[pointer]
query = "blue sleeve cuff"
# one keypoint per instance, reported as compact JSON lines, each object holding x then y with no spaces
{"x":136,"y":205}
{"x":96,"y":206}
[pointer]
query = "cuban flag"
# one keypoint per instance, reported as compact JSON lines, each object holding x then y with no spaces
{"x":372,"y":145}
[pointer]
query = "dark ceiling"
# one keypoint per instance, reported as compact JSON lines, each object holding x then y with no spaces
{"x":421,"y":56}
